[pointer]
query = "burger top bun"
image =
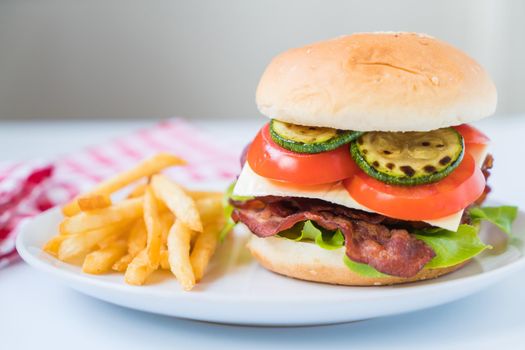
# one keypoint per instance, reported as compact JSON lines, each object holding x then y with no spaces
{"x":376,"y":82}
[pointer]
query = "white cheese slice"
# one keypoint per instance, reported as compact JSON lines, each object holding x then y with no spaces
{"x":251,"y":184}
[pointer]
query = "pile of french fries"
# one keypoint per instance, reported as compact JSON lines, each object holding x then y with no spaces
{"x":159,"y":225}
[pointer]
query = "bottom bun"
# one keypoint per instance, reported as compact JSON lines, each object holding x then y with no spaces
{"x":307,"y":261}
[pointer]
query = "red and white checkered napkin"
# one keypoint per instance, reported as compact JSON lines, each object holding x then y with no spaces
{"x":28,"y":188}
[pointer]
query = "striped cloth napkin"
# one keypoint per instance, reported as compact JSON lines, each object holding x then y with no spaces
{"x":29,"y":188}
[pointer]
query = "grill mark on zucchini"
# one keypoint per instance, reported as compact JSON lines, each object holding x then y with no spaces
{"x":445,"y":160}
{"x":309,"y":139}
{"x":430,"y":169}
{"x":410,"y":158}
{"x":408,"y":170}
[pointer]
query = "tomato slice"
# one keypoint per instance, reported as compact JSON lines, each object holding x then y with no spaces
{"x":471,"y":135}
{"x":270,"y":160}
{"x":475,"y":141}
{"x":425,"y":202}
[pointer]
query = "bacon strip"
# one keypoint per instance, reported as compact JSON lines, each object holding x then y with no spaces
{"x":391,"y":251}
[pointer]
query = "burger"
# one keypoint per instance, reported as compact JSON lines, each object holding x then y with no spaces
{"x":368,"y":172}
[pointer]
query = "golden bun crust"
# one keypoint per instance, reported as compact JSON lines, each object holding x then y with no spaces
{"x":376,"y":82}
{"x":307,"y":261}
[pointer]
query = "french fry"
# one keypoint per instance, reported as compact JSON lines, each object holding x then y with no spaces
{"x":137,"y":238}
{"x":196,"y":195}
{"x":109,"y":240}
{"x":156,"y":226}
{"x":166,"y":221}
{"x":123,"y":211}
{"x":136,"y":243}
{"x":178,"y":202}
{"x":138,"y":191}
{"x":100,"y":261}
{"x":93,"y":202}
{"x":210,"y":209}
{"x":139,"y":269}
{"x":53,"y":245}
{"x":204,"y":248}
{"x":153,"y":227}
{"x":80,"y":244}
{"x":146,"y":168}
{"x":164,"y":256}
{"x":122,"y":264}
{"x":179,"y":239}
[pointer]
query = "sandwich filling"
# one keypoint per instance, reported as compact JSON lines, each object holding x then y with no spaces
{"x":388,"y":245}
{"x":353,"y":191}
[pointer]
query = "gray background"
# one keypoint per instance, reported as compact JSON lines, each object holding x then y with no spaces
{"x":158,"y":58}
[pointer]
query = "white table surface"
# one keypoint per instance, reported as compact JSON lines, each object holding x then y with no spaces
{"x":37,"y":312}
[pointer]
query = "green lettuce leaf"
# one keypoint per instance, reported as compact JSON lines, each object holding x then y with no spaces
{"x":451,"y":247}
{"x":362,"y":269}
{"x":501,"y":216}
{"x":230,"y":224}
{"x":228,"y":209}
{"x":308,"y":231}
{"x":330,"y":240}
{"x":296,"y":233}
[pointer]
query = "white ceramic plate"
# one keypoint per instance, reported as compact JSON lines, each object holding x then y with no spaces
{"x":238,"y":291}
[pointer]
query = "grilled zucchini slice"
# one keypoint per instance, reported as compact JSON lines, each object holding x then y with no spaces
{"x":409,"y":158}
{"x":309,"y":139}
